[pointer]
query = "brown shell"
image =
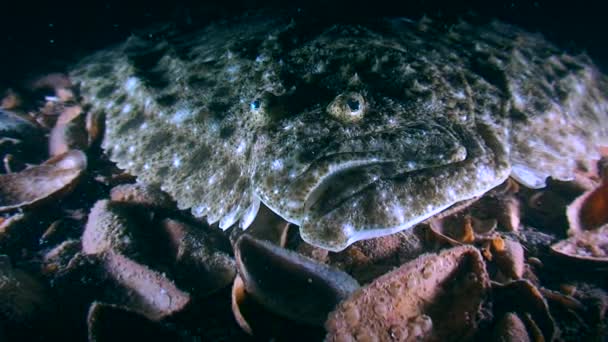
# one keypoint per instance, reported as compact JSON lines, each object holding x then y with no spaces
{"x":145,"y":195}
{"x":435,"y":297}
{"x":510,"y":259}
{"x":198,"y":260}
{"x":510,"y":328}
{"x":288,"y":283}
{"x":589,"y":211}
{"x":587,"y":247}
{"x":149,"y":292}
{"x":69,"y":132}
{"x":57,"y":176}
{"x":523,"y":298}
{"x":109,"y":227}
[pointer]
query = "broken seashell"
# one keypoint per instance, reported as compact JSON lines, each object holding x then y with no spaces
{"x":455,"y":229}
{"x":109,"y":227}
{"x":10,"y":100}
{"x":587,"y":247}
{"x":15,"y":126}
{"x":510,"y":259}
{"x":483,"y":227}
{"x":401,"y":245}
{"x":523,"y":298}
{"x":267,"y":225}
{"x":264,"y":325}
{"x":199,"y":262}
{"x":20,"y":137}
{"x":434,"y":297}
{"x":56,"y":81}
{"x":94,"y":124}
{"x":59,"y":257}
{"x":55,"y":177}
{"x":588,"y":211}
{"x":565,"y":300}
{"x":108,"y":322}
{"x":510,"y":328}
{"x":13,"y":230}
{"x":534,"y":330}
{"x":509,"y":214}
{"x":53,"y":232}
{"x":288,"y":283}
{"x":238,"y":297}
{"x":145,"y":195}
{"x":148,"y":292}
{"x":69,"y":132}
{"x":366,"y":260}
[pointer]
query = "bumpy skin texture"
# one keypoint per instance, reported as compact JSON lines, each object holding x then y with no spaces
{"x":350,"y":131}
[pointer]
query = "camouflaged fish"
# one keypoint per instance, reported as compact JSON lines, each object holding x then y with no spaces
{"x":351,"y":131}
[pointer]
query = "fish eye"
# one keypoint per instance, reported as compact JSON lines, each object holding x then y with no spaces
{"x":348,"y":107}
{"x":353,"y":104}
{"x":255,"y":105}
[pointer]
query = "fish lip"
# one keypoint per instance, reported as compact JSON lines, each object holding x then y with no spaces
{"x":395,"y":151}
{"x":316,"y":179}
{"x":342,"y":148}
{"x":304,"y":191}
{"x":293,"y":207}
{"x":315,"y":195}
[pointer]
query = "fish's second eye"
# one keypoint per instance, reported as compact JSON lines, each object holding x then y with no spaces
{"x":255,"y":105}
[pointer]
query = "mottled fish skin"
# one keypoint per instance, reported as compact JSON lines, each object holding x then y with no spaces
{"x":350,"y":131}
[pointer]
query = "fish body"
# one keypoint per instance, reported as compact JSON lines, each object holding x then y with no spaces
{"x":351,"y":131}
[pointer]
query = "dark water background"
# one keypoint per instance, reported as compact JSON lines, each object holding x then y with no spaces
{"x":41,"y":36}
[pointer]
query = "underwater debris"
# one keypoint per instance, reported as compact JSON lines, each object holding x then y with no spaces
{"x":434,"y":297}
{"x":58,"y":258}
{"x":266,"y":225}
{"x":238,"y":297}
{"x":524,"y":299}
{"x":42,"y":183}
{"x":69,"y":132}
{"x":109,"y":228}
{"x":510,"y":258}
{"x":58,"y":82}
{"x":288,"y":283}
{"x":585,"y":248}
{"x":198,"y":260}
{"x":147,"y":291}
{"x":140,"y":194}
{"x":510,"y":328}
{"x":589,"y":210}
{"x":10,"y":100}
{"x":13,"y":232}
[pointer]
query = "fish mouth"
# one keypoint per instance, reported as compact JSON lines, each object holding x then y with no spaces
{"x":329,"y":174}
{"x":334,"y":188}
{"x":332,"y":179}
{"x":344,"y":167}
{"x":327,"y":182}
